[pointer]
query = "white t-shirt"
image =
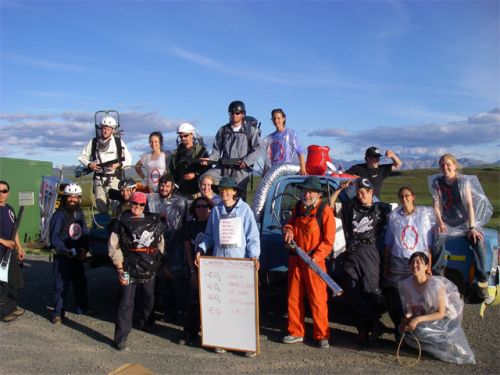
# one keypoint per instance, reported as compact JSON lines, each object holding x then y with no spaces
{"x":155,"y":169}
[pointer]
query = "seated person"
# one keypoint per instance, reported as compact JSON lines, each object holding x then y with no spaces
{"x":433,"y":311}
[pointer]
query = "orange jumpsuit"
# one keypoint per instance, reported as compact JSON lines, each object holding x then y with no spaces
{"x":301,"y":279}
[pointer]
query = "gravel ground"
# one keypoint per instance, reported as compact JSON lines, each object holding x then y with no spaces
{"x":83,"y":344}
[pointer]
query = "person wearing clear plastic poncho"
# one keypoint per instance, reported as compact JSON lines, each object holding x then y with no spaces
{"x":409,"y":230}
{"x":461,"y":208}
{"x":433,"y":311}
{"x":283,"y":145}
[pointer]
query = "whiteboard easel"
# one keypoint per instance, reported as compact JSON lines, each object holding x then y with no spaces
{"x":229,"y":303}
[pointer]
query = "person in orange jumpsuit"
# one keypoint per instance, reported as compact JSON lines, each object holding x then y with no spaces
{"x":303,"y":227}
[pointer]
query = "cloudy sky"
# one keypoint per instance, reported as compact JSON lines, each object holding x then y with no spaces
{"x":421,"y":78}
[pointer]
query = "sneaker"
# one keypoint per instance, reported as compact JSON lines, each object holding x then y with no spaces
{"x":250,"y":354}
{"x":292,"y":339}
{"x":219,"y":350}
{"x":122,"y":346}
{"x":377,"y":331}
{"x":18,"y":311}
{"x":56,"y":320}
{"x":9,"y":318}
{"x":323,"y":344}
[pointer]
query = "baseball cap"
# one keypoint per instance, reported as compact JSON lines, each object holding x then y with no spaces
{"x":373,"y":152}
{"x":138,"y":197}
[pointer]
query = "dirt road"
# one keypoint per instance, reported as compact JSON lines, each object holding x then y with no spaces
{"x":83,"y":345}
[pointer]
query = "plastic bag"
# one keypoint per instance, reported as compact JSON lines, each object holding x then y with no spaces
{"x":444,"y":338}
{"x":454,"y":208}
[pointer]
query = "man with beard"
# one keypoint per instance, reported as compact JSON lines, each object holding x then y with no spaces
{"x":135,"y":247}
{"x":172,"y":209}
{"x":69,"y":240}
{"x":106,"y":149}
{"x":185,"y":172}
{"x":9,"y":291}
{"x":358,"y":269}
{"x":304,"y":228}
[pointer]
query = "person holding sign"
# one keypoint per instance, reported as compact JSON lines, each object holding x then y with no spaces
{"x":231,"y":230}
{"x":10,"y":247}
{"x":304,"y":228}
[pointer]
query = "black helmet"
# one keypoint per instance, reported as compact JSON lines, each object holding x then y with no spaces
{"x":127,"y":183}
{"x":236,"y":106}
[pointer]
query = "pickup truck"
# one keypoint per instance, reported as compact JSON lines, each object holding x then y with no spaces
{"x":278,"y":193}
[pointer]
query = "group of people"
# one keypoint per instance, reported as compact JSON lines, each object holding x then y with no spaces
{"x":157,"y":238}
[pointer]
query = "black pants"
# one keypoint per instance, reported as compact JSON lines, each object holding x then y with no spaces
{"x":192,"y":321}
{"x":9,"y":291}
{"x":360,"y":277}
{"x":66,"y":271}
{"x":124,"y":315}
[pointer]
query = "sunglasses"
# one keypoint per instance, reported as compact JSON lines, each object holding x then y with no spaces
{"x":5,"y":191}
{"x":237,"y":113}
{"x":202,"y":206}
{"x":184,"y":135}
{"x":138,"y":204}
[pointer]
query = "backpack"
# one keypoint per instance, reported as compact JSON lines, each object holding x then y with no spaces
{"x":248,"y":120}
{"x":119,"y":149}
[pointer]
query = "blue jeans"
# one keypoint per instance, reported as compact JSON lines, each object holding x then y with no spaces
{"x":439,"y":257}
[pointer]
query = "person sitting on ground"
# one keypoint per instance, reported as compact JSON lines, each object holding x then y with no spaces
{"x":69,"y":239}
{"x":409,"y":230}
{"x":433,"y":312}
{"x":373,"y":171}
{"x":231,"y":231}
{"x":155,"y":162}
{"x":363,"y":221}
{"x":135,"y":247}
{"x":283,"y":145}
{"x":303,"y":228}
{"x":455,"y":211}
{"x":9,"y":243}
{"x":182,"y":163}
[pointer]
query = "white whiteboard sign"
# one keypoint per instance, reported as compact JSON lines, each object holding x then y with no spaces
{"x":229,"y":303}
{"x":26,"y":198}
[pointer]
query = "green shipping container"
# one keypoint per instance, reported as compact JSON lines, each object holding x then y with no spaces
{"x":25,"y":176}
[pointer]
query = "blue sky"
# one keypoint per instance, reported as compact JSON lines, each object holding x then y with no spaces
{"x":421,"y":78}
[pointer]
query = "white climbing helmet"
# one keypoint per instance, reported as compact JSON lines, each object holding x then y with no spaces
{"x":185,"y":128}
{"x":73,"y":189}
{"x":109,"y":121}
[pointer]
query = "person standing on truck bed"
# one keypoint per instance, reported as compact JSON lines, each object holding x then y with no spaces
{"x":373,"y":171}
{"x":304,"y":228}
{"x":358,"y":269}
{"x":283,"y":145}
{"x":182,"y":167}
{"x":236,"y":143}
{"x":106,"y":155}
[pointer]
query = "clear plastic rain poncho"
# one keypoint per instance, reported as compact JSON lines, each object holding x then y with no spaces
{"x":173,"y":213}
{"x":405,"y":235}
{"x":444,"y":338}
{"x":453,"y":202}
{"x":281,"y":147}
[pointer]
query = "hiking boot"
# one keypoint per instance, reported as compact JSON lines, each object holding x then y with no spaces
{"x":250,"y":354}
{"x":18,"y":311}
{"x":9,"y":318}
{"x":323,"y":344}
{"x":219,"y":350}
{"x":292,"y":339}
{"x":56,"y":320}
